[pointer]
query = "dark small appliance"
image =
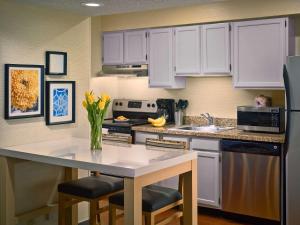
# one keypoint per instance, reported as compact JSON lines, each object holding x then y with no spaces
{"x":166,"y":108}
{"x":261,"y":119}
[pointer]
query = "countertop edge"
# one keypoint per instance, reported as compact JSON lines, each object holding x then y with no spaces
{"x":228,"y":134}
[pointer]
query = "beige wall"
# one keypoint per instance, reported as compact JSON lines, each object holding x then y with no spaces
{"x":215,"y":95}
{"x":205,"y":13}
{"x":25,"y":34}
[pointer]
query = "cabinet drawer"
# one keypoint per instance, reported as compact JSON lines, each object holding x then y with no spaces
{"x":205,"y":144}
{"x":176,"y":138}
{"x":140,"y":137}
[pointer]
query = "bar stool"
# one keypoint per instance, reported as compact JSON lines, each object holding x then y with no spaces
{"x":155,"y":199}
{"x":91,"y":189}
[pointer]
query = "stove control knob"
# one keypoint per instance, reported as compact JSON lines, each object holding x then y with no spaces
{"x":120,"y":103}
{"x":117,"y":103}
{"x":148,"y":105}
{"x":153,"y":105}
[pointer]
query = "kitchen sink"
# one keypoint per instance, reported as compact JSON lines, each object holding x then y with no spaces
{"x":205,"y":129}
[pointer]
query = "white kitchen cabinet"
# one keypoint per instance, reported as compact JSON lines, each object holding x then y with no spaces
{"x":215,"y":46}
{"x":260,"y":50}
{"x":187,"y":50}
{"x":173,"y":181}
{"x":209,"y":178}
{"x":135,"y":47}
{"x":209,"y":171}
{"x":176,"y":138}
{"x":112,"y":48}
{"x":161,"y":66}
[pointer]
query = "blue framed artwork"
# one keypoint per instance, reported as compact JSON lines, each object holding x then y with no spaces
{"x":60,"y":102}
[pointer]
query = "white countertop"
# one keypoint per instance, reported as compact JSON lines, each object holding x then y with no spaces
{"x":119,"y":160}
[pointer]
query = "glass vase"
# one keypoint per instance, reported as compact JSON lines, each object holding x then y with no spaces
{"x":96,"y":136}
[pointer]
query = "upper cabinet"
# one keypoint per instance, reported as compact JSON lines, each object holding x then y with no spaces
{"x":112,"y":48}
{"x":135,"y":47}
{"x":161,"y":67}
{"x":260,"y":50}
{"x":253,"y":52}
{"x":215,"y":46}
{"x":129,"y":47}
{"x":187,"y":50}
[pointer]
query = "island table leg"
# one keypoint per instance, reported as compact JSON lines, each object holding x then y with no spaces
{"x":190,"y":195}
{"x":71,"y":212}
{"x":7,"y":195}
{"x":132,"y":201}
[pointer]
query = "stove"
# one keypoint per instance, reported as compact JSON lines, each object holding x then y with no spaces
{"x":137,"y":111}
{"x":122,"y":127}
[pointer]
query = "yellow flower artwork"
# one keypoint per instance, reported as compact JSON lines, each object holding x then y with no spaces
{"x":24,"y":89}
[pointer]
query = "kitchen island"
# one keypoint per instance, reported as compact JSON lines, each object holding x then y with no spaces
{"x":138,"y":164}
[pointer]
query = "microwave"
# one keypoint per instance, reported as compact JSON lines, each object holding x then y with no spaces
{"x":261,"y":119}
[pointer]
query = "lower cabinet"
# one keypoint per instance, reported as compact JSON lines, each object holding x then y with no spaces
{"x":209,"y":171}
{"x":209,"y":167}
{"x":173,"y":182}
{"x":209,"y":179}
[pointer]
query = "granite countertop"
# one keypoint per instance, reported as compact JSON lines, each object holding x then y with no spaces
{"x":227,"y":134}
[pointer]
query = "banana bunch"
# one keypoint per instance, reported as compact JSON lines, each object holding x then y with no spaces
{"x":159,"y":122}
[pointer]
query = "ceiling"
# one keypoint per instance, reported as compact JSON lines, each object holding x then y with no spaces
{"x":113,"y":6}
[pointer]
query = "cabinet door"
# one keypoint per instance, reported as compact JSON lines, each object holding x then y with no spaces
{"x":113,"y":48}
{"x":187,"y":50}
{"x":135,"y":47}
{"x":161,"y":70}
{"x":177,"y":138}
{"x":216,"y":48}
{"x":209,"y":179}
{"x":259,"y":53}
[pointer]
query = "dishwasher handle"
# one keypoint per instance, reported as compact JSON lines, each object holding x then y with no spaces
{"x":262,"y":148}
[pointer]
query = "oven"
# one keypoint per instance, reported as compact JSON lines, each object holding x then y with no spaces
{"x":135,"y":112}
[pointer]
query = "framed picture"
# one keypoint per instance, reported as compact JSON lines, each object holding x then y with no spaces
{"x":24,"y":91}
{"x":56,"y":63}
{"x":60,"y":102}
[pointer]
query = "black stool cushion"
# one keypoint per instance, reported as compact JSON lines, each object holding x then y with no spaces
{"x":92,"y":187}
{"x":154,"y":198}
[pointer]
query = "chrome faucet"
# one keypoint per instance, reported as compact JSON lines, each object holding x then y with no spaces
{"x":209,"y":118}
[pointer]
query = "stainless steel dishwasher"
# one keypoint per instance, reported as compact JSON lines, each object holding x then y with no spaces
{"x":251,"y":178}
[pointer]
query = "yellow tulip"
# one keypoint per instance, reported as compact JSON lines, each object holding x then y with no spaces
{"x":84,"y":104}
{"x":87,"y":94}
{"x":91,"y":99}
{"x":101,"y":104}
{"x":105,"y":97}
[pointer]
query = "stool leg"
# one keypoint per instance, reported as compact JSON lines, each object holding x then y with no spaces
{"x":181,"y":218}
{"x":149,"y":219}
{"x":61,"y":209}
{"x":98,"y":216}
{"x":112,"y":215}
{"x":93,"y":212}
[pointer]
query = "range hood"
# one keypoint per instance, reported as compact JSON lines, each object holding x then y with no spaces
{"x":127,"y":70}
